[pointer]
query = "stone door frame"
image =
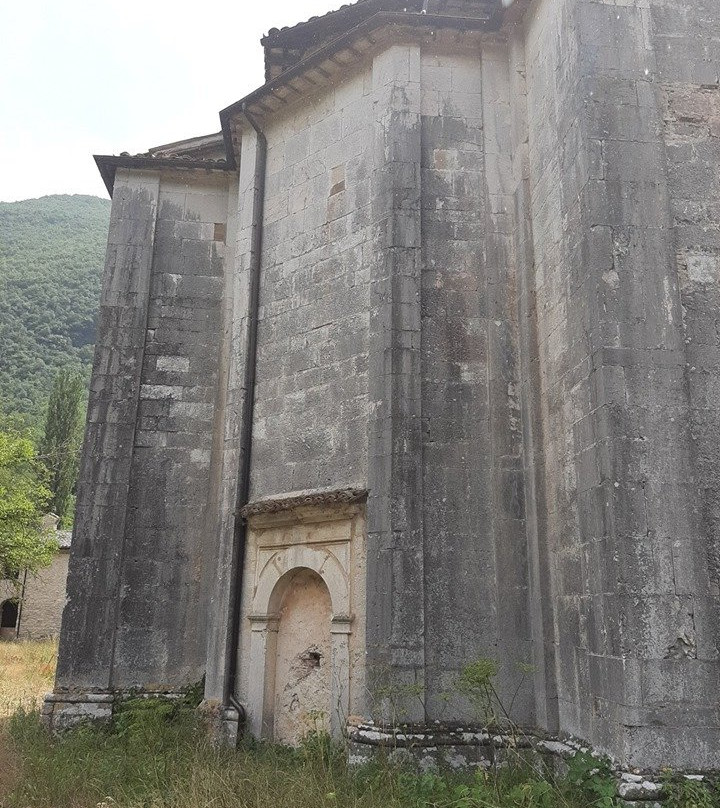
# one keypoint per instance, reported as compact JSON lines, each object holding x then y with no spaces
{"x":264,"y":623}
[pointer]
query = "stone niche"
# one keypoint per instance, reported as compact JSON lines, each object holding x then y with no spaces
{"x":303,"y":619}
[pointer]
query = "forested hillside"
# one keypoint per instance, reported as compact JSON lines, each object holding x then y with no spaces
{"x":51,"y":258}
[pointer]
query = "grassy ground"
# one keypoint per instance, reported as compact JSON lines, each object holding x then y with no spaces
{"x":156,"y":755}
{"x":26,"y":674}
{"x":159,"y":758}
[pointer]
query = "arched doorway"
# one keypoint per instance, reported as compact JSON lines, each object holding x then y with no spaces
{"x":300,"y":672}
{"x":305,"y":589}
{"x":8,"y":619}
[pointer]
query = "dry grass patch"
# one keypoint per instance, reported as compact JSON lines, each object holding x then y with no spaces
{"x":27,"y":670}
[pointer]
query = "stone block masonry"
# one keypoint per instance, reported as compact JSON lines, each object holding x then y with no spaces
{"x":620,"y":481}
{"x":311,"y":408}
{"x":140,"y":540}
{"x":416,"y":364}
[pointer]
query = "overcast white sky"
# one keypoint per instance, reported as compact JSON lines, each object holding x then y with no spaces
{"x":84,"y":77}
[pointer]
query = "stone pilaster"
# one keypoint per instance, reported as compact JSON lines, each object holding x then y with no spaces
{"x":395,"y":604}
{"x":231,"y":406}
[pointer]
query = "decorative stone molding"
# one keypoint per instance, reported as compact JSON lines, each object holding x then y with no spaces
{"x":264,"y":628}
{"x":317,"y":498}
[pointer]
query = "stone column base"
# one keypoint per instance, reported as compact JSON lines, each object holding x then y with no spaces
{"x":469,"y":747}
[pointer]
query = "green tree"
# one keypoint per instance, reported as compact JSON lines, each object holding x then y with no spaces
{"x":60,"y":447}
{"x":24,"y":544}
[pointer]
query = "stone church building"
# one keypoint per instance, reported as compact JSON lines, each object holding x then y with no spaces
{"x":416,"y":363}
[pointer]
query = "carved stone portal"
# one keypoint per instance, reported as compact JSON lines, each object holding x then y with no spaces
{"x":302,"y":635}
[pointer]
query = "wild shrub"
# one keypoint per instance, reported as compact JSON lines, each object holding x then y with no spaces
{"x":683,"y":793}
{"x":476,"y":684}
{"x":590,"y":777}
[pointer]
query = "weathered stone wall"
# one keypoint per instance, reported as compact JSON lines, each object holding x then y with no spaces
{"x":89,"y":619}
{"x":680,"y":687}
{"x":555,"y":304}
{"x":387,"y":327}
{"x":233,"y":398}
{"x":44,"y":599}
{"x":395,"y":623}
{"x":488,"y":294}
{"x":629,"y":597}
{"x":166,"y":540}
{"x":447,"y":570}
{"x":473,"y":509}
{"x":311,"y":401}
{"x":137,"y":589}
{"x":310,"y":418}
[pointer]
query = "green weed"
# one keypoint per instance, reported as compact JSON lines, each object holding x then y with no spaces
{"x":683,"y":793}
{"x":476,"y":684}
{"x":156,"y":755}
{"x":591,"y":778}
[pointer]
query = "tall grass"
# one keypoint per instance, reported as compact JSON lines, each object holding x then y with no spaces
{"x":156,"y":755}
{"x":26,"y":674}
{"x":27,"y":670}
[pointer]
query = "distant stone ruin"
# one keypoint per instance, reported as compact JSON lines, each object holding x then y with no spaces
{"x":31,"y":605}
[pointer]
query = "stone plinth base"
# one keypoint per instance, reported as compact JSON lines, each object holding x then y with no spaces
{"x":62,"y":711}
{"x":229,"y":727}
{"x":461,"y":748}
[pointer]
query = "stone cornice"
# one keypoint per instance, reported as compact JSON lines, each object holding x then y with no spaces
{"x":303,"y":499}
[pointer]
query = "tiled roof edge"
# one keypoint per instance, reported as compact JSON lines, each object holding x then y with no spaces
{"x":108,"y":165}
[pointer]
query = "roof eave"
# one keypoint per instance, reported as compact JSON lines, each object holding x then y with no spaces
{"x":309,"y":32}
{"x":108,"y":165}
{"x":186,"y":147}
{"x":379,"y":20}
